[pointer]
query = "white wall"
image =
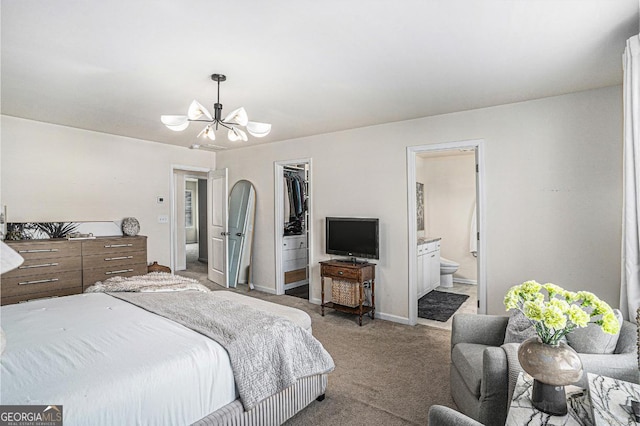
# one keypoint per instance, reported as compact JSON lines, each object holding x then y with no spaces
{"x":57,"y":173}
{"x":553,"y":188}
{"x":449,"y":196}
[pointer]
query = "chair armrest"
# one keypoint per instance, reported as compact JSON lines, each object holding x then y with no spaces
{"x":494,"y":390}
{"x":439,"y":415}
{"x":481,"y":329}
{"x":628,"y":340}
{"x":618,"y":366}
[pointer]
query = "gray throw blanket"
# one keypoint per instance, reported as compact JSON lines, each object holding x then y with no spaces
{"x":268,"y":353}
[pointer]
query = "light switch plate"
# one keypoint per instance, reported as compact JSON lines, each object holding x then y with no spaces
{"x":163,"y":218}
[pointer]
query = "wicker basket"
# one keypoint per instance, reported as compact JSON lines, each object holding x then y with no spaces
{"x":345,"y":293}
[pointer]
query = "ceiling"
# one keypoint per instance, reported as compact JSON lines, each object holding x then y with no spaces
{"x":307,"y":67}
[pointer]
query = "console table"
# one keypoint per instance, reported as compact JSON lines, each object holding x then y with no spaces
{"x":357,"y":274}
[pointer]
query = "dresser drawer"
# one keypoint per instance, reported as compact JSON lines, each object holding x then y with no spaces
{"x":293,"y":264}
{"x":295,"y":276}
{"x":46,"y":249}
{"x":294,"y":254}
{"x":111,"y":260}
{"x":18,"y":286}
{"x":45,"y":266}
{"x":295,"y":242}
{"x":331,"y":271}
{"x":113,"y":246}
{"x":53,"y":293}
{"x":91,"y":276}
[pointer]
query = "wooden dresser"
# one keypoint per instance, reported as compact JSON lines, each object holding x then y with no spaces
{"x":50,"y":268}
{"x":103,"y":258}
{"x":60,"y":267}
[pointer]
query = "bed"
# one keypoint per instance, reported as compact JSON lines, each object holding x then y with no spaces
{"x":109,"y":361}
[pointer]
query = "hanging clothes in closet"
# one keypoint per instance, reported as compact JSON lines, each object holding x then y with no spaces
{"x":294,"y":203}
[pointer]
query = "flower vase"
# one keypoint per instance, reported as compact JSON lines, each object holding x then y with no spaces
{"x":552,"y":367}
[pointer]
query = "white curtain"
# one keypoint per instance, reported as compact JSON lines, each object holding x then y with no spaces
{"x":630,"y":285}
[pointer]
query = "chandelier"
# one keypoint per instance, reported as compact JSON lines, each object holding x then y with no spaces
{"x":235,"y":119}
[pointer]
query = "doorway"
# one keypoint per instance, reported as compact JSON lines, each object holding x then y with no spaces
{"x":293,"y":227}
{"x":423,"y":237}
{"x":189,"y":220}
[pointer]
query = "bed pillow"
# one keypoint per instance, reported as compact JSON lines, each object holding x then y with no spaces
{"x":592,"y":340}
{"x":519,"y":328}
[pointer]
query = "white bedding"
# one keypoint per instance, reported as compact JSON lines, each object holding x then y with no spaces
{"x":101,"y":379}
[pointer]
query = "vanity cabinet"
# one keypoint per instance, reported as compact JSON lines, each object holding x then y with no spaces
{"x":428,"y":267}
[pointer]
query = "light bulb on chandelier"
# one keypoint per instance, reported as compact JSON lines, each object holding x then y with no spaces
{"x":235,"y":118}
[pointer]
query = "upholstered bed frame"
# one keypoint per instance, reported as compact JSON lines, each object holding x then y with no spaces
{"x":274,"y":410}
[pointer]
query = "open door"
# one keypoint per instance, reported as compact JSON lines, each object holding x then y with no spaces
{"x":218,"y":211}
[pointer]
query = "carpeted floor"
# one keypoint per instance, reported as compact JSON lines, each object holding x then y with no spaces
{"x":440,"y":305}
{"x":386,"y":373}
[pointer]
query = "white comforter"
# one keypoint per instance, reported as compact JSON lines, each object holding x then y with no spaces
{"x":101,"y":379}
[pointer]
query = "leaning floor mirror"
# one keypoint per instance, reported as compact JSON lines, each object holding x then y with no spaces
{"x":242,"y":211}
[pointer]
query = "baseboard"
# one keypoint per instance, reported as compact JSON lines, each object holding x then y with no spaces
{"x":392,"y":318}
{"x":464,"y":281}
{"x":264,"y":289}
{"x":379,"y":315}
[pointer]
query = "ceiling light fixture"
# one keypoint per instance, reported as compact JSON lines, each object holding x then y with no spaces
{"x":235,"y":118}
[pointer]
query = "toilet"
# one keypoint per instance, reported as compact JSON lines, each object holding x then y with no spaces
{"x":447,"y":269}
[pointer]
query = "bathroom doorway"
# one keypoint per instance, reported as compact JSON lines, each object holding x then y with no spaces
{"x":446,"y":266}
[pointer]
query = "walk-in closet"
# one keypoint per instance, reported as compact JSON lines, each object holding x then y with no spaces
{"x":295,"y":221}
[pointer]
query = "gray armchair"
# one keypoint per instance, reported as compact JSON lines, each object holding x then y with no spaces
{"x":481,"y":366}
{"x":439,"y":415}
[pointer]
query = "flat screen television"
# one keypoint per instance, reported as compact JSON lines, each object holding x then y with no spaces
{"x":352,"y":236}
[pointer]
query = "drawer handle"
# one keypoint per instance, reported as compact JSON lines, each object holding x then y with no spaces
{"x":118,"y":245}
{"x":51,"y":280}
{"x":117,"y":258}
{"x":340,"y":272}
{"x":38,"y":251}
{"x":44,"y":265}
{"x":118,"y":272}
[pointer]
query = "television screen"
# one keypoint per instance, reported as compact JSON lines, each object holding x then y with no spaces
{"x":355,"y":237}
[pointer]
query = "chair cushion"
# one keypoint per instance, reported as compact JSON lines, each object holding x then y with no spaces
{"x":519,"y":328}
{"x":467,"y":358}
{"x":592,"y":340}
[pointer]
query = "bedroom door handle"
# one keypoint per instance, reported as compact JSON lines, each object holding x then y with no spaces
{"x":239,"y":234}
{"x":224,"y":234}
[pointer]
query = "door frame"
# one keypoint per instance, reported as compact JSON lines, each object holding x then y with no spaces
{"x":478,"y":146}
{"x":278,"y":168}
{"x":173,"y":219}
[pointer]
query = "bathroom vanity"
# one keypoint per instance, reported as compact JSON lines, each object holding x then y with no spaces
{"x":428,"y":265}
